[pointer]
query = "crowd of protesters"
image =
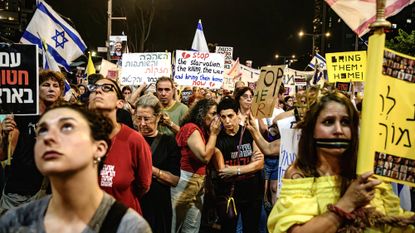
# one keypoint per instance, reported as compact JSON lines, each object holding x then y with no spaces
{"x":137,"y":159}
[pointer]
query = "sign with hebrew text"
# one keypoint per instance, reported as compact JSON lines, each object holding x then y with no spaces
{"x":19,"y":79}
{"x":389,"y":150}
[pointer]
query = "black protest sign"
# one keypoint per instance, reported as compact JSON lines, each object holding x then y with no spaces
{"x":18,"y":79}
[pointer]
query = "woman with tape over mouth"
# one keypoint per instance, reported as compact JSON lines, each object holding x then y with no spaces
{"x":321,"y":191}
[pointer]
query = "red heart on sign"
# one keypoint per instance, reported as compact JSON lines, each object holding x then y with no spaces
{"x":185,"y":55}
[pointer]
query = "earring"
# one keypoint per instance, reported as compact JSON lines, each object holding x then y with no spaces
{"x":97,"y":160}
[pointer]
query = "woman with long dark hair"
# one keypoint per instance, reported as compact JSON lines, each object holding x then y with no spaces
{"x":321,"y":191}
{"x":196,"y":139}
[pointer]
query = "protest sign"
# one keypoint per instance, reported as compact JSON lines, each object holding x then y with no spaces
{"x":288,"y":147}
{"x":249,"y":74}
{"x":19,"y":80}
{"x":118,"y":46}
{"x":138,"y":68}
{"x":388,"y":119}
{"x":228,"y":53}
{"x":343,"y":87}
{"x":186,"y":95}
{"x":266,"y":91}
{"x":201,"y":69}
{"x":294,"y":78}
{"x":108,"y":68}
{"x":346,"y":66}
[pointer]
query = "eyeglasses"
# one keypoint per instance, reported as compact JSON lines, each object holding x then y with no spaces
{"x":146,"y":119}
{"x":104,"y":87}
{"x":246,"y":96}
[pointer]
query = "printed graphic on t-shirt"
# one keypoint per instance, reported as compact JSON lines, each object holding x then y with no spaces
{"x":107,"y":175}
{"x":245,"y":153}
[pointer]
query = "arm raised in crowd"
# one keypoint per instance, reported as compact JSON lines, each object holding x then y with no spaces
{"x":136,"y":94}
{"x":268,"y":148}
{"x":200,"y":150}
{"x":9,"y":136}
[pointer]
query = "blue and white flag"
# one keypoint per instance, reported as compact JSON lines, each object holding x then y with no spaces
{"x":404,"y":194}
{"x":63,"y":42}
{"x":199,"y":41}
{"x":318,"y":61}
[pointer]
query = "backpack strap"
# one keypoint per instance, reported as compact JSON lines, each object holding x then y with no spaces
{"x":113,"y":218}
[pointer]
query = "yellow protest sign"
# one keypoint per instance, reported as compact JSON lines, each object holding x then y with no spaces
{"x":387,"y":142}
{"x":346,"y":66}
{"x":266,"y":91}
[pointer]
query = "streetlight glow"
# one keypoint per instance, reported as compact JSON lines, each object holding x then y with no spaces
{"x":301,"y":33}
{"x":327,"y":34}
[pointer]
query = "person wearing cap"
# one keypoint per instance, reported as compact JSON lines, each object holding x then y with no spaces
{"x":127,"y":170}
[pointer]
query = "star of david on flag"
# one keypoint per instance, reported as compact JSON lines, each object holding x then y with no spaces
{"x":63,"y":42}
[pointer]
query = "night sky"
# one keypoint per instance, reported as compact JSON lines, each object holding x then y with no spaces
{"x":256,"y":29}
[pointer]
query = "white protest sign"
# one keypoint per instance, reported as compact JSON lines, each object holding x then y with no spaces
{"x":288,"y":147}
{"x":107,"y":66}
{"x":138,"y":68}
{"x":228,"y":53}
{"x":199,"y":69}
{"x":294,"y":78}
{"x":249,"y":75}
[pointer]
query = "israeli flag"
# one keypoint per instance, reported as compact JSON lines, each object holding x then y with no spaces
{"x":63,"y":42}
{"x":199,"y":41}
{"x":318,"y":61}
{"x":404,"y":194}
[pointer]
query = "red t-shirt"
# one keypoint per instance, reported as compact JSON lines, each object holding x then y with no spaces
{"x":127,"y":170}
{"x":189,"y":162}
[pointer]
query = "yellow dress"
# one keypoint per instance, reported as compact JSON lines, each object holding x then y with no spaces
{"x":302,"y":199}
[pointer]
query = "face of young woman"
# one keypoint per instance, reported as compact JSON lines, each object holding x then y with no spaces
{"x":104,"y":96}
{"x":333,"y":123}
{"x":146,"y":121}
{"x":64,"y":144}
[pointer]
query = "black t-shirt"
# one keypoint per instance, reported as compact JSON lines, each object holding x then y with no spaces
{"x":156,"y":203}
{"x":23,"y":176}
{"x":246,"y":189}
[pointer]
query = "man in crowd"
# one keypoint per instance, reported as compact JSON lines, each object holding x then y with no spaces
{"x":173,"y":110}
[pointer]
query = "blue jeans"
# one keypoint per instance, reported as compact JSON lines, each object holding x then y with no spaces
{"x":187,"y":202}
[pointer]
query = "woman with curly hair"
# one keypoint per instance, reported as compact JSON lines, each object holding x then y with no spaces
{"x":321,"y":191}
{"x":196,"y":139}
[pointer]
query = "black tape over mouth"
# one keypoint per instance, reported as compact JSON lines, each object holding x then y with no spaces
{"x":332,"y":143}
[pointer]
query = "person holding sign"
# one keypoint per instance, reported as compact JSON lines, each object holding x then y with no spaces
{"x":70,"y":149}
{"x":321,"y":192}
{"x":24,"y":181}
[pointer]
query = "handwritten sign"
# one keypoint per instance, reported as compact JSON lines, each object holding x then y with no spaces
{"x":138,"y":68}
{"x":266,"y":91}
{"x":19,"y":79}
{"x":228,"y":53}
{"x":249,"y":74}
{"x":346,"y":66}
{"x":390,"y":151}
{"x":199,"y":69}
{"x":293,"y":78}
{"x":288,"y":147}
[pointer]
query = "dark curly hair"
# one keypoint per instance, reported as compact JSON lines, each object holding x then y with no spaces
{"x":100,"y":126}
{"x":307,"y":158}
{"x":240,"y":91}
{"x":198,"y":112}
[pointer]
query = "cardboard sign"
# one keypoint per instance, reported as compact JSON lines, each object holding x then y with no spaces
{"x":19,"y":79}
{"x":228,"y":53}
{"x":266,"y":91}
{"x":388,"y":120}
{"x":199,"y":69}
{"x":346,"y":66}
{"x":138,"y":68}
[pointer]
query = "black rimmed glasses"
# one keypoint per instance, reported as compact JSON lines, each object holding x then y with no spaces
{"x":104,"y":87}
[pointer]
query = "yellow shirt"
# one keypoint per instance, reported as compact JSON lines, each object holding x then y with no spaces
{"x":302,"y":199}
